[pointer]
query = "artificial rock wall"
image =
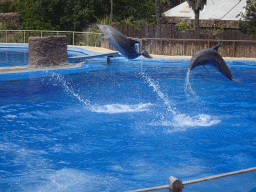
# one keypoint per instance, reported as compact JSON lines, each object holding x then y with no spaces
{"x":48,"y":51}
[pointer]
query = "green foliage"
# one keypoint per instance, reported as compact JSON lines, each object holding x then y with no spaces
{"x":103,"y":20}
{"x":5,"y":7}
{"x":10,"y":6}
{"x":182,"y":26}
{"x":2,"y":34}
{"x":77,"y":15}
{"x":133,"y":10}
{"x":93,"y":29}
{"x":248,"y":21}
{"x":218,"y":31}
{"x":3,"y":26}
{"x":90,"y":39}
{"x":66,"y":15}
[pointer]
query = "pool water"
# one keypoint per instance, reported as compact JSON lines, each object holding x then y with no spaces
{"x":126,"y":125}
{"x":19,"y":56}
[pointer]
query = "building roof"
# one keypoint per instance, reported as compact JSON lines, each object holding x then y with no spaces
{"x":213,"y":10}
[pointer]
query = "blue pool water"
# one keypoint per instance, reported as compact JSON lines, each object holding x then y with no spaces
{"x":127,"y":125}
{"x":19,"y":56}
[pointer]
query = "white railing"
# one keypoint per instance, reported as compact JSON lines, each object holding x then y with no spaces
{"x":73,"y":37}
{"x":180,"y":185}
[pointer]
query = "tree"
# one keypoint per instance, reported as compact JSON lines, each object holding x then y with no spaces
{"x":77,"y":15}
{"x":66,"y":15}
{"x":132,"y":10}
{"x":197,"y":6}
{"x":247,"y":22}
{"x":159,"y":15}
{"x":111,"y":13}
{"x":158,"y":18}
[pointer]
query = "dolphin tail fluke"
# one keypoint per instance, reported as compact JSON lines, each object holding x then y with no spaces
{"x":217,"y":47}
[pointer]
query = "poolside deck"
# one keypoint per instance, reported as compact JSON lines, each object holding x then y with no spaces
{"x":17,"y":69}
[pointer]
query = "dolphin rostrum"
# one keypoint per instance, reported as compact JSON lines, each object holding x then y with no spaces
{"x":211,"y":56}
{"x":129,"y":48}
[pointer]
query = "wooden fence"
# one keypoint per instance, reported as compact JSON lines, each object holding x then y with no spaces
{"x":174,"y":42}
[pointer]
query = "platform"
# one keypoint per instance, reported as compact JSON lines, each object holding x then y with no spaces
{"x":78,"y":59}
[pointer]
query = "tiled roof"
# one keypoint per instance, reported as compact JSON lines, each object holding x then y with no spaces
{"x":214,"y":10}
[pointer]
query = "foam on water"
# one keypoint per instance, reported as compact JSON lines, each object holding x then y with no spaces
{"x":181,"y":122}
{"x":121,"y":108}
{"x":69,"y":180}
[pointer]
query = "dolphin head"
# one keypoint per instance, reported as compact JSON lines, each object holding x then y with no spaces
{"x":201,"y":58}
{"x":205,"y":56}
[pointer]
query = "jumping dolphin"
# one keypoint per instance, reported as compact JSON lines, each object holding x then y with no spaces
{"x":211,"y":56}
{"x":129,"y":48}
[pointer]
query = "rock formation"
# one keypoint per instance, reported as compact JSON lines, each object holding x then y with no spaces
{"x":48,"y":51}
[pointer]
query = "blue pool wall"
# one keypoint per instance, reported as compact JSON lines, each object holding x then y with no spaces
{"x":99,"y":61}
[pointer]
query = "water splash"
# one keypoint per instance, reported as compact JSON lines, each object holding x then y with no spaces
{"x":109,"y":108}
{"x":188,"y":89}
{"x":170,"y":106}
{"x":180,"y":121}
{"x":69,"y":89}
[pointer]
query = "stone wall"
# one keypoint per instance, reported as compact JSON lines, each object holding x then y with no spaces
{"x":48,"y":51}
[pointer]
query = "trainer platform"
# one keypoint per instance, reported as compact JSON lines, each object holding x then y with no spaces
{"x":78,"y":59}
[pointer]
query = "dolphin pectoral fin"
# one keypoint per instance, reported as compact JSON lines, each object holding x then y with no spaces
{"x":146,"y":54}
{"x":206,"y":69}
{"x":237,"y":80}
{"x":217,"y":47}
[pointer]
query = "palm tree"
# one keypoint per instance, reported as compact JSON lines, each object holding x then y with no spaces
{"x":197,"y":6}
{"x":158,"y":15}
{"x":158,"y":18}
{"x":111,"y":13}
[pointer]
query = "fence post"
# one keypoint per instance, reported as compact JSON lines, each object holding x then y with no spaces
{"x":234,"y":49}
{"x":6,"y":37}
{"x":175,"y":184}
{"x":73,"y":38}
{"x":24,"y":36}
{"x":95,"y":39}
{"x":41,"y":33}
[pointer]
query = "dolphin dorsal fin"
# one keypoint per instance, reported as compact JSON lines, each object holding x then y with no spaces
{"x":217,"y":47}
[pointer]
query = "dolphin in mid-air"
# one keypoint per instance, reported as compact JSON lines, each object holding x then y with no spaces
{"x":129,"y":48}
{"x":211,"y":56}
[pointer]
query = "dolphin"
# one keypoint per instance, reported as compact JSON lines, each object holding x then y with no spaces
{"x":211,"y":56}
{"x":129,"y":48}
